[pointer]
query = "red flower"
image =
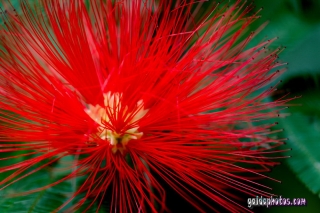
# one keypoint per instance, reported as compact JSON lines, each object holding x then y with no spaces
{"x":141,"y":92}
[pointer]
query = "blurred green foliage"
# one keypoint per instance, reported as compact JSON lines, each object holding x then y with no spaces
{"x":297,"y":24}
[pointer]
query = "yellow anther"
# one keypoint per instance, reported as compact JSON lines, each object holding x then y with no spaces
{"x":112,"y":103}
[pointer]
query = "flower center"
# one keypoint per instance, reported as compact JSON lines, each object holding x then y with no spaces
{"x":112,"y":110}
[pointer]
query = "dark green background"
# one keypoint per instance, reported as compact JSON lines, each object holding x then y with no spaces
{"x":297,"y":23}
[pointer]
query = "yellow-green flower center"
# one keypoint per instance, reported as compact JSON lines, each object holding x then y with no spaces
{"x":113,"y":108}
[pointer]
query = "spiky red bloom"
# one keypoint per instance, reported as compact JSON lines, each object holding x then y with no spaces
{"x":142,"y":91}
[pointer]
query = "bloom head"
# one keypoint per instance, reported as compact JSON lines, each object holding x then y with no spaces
{"x":137,"y":92}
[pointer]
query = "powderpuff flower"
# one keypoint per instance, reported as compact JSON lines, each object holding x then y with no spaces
{"x":138,"y":93}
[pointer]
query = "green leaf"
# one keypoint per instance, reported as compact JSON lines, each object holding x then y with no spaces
{"x":290,"y":187}
{"x":304,"y":138}
{"x":43,"y":201}
{"x":297,"y":24}
{"x":302,"y":128}
{"x":46,"y":200}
